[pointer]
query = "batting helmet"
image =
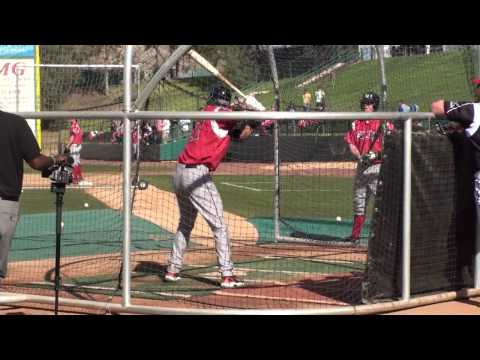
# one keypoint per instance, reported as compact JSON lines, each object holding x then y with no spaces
{"x":370,"y":98}
{"x":220,"y":95}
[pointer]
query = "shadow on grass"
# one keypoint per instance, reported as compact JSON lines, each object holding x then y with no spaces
{"x":345,"y":289}
{"x":152,"y":268}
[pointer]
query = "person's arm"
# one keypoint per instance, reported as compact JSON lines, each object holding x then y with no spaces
{"x":355,"y":152}
{"x":460,"y":112}
{"x":349,"y":139}
{"x":41,"y":162}
{"x":70,"y":141}
{"x":438,"y":108}
{"x":246,"y":132}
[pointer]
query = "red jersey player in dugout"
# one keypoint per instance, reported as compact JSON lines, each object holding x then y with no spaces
{"x":195,"y":189}
{"x":365,"y":141}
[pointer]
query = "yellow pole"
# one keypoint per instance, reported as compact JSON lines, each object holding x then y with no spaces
{"x":38,"y":122}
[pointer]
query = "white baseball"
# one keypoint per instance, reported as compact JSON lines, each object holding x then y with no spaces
{"x":62,"y":224}
{"x":86,"y":205}
{"x":339,"y":218}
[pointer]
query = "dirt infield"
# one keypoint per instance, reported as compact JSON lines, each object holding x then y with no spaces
{"x":298,"y":289}
{"x":160,"y":207}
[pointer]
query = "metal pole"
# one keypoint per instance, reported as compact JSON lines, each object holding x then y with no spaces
{"x":276,"y":147}
{"x":477,"y":60}
{"x":7,"y":298}
{"x":407,"y":201}
{"x":476,"y":276}
{"x":477,"y":246}
{"x":383,"y":77}
{"x":127,"y":163}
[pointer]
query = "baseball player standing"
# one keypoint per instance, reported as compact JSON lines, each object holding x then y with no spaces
{"x":320,"y":100}
{"x":365,"y":141}
{"x":196,"y":191}
{"x":75,"y":146}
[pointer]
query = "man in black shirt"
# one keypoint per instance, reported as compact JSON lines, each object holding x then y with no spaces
{"x":466,"y":115}
{"x":17,"y":143}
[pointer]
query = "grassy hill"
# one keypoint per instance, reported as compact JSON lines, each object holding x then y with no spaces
{"x":415,"y":79}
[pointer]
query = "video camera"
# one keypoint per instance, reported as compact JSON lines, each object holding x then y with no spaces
{"x":60,"y":173}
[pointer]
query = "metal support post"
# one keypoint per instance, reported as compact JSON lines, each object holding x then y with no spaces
{"x":127,"y":161}
{"x":407,"y":201}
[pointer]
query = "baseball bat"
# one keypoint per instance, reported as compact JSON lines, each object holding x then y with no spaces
{"x":214,"y":71}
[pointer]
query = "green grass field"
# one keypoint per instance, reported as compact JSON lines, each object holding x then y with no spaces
{"x":43,"y":201}
{"x":305,"y":197}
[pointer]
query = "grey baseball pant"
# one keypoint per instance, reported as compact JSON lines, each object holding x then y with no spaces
{"x":364,"y":187}
{"x":75,"y":153}
{"x":8,"y":221}
{"x":196,"y":193}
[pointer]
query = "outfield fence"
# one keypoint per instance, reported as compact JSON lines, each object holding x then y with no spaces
{"x":116,"y":258}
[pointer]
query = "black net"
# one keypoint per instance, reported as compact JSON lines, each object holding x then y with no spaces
{"x":443,"y":218}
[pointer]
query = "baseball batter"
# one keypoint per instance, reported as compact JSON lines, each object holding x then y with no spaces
{"x":195,"y":189}
{"x":365,"y":141}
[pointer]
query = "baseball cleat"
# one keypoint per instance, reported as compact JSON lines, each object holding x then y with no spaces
{"x":230,"y":282}
{"x":353,"y":240}
{"x":172,"y":277}
{"x":85,"y":183}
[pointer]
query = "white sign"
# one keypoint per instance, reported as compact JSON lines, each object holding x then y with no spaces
{"x":18,"y":81}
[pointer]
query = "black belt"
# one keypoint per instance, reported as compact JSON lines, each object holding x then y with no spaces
{"x":191,"y":166}
{"x":9,"y":198}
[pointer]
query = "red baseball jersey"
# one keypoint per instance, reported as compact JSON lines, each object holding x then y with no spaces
{"x":209,"y":141}
{"x":363,"y":133}
{"x":76,"y":133}
{"x":134,"y":135}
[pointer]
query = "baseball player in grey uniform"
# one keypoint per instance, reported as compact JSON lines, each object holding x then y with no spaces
{"x":196,"y":191}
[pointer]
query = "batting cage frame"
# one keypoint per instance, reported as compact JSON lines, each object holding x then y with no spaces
{"x":135,"y":111}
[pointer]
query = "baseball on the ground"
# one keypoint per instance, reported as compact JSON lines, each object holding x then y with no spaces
{"x":86,"y":205}
{"x":339,"y":218}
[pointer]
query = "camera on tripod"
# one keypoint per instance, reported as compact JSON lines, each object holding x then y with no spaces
{"x":61,"y":173}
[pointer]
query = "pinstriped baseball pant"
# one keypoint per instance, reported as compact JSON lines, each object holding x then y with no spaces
{"x":75,"y":153}
{"x":8,"y":222}
{"x":365,"y":186}
{"x":196,"y":193}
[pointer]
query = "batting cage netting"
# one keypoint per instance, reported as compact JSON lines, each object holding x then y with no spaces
{"x":289,"y":213}
{"x":443,"y":218}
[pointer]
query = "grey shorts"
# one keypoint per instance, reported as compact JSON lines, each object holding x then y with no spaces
{"x":9,"y":215}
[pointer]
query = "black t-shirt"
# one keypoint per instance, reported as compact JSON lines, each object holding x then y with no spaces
{"x":467,"y":114}
{"x":17,"y":143}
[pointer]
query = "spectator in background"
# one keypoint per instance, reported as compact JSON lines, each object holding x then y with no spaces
{"x":266,"y":126}
{"x":116,"y":131}
{"x":403,"y":107}
{"x":185,"y":126}
{"x":307,"y":100}
{"x":320,"y":100}
{"x":162,"y":130}
{"x":146,"y":132}
{"x":476,"y":90}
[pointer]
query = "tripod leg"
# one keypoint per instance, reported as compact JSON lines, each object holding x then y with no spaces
{"x":58,"y":233}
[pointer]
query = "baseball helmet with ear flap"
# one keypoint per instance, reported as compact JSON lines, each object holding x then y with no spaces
{"x":370,"y":98}
{"x":220,"y":95}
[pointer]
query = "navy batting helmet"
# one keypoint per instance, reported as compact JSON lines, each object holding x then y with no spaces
{"x":220,"y":95}
{"x":370,"y":98}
